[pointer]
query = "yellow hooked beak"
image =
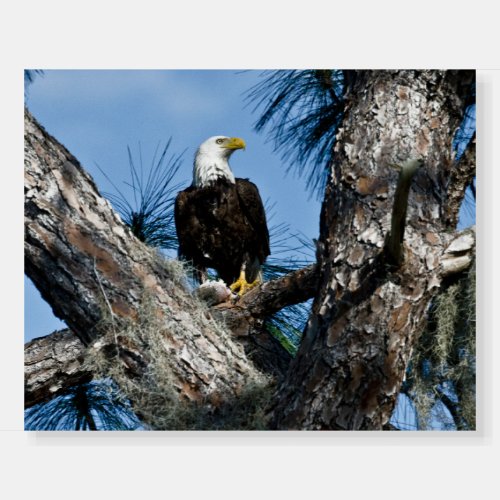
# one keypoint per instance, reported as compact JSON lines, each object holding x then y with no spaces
{"x":235,"y":143}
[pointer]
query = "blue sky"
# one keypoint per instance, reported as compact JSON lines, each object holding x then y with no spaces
{"x":97,"y":114}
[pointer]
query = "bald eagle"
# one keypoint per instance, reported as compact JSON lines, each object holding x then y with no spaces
{"x":220,"y":220}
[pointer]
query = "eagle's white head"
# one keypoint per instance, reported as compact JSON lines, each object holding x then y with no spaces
{"x":211,"y":159}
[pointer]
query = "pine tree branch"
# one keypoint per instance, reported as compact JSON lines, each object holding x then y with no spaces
{"x":56,"y":362}
{"x":246,"y":317}
{"x":272,"y":296}
{"x":52,"y":364}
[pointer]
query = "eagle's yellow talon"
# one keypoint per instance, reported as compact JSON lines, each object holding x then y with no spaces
{"x":242,"y":286}
{"x":236,"y":285}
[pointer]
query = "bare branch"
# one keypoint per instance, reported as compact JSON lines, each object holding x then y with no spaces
{"x":394,"y":241}
{"x":272,"y":296}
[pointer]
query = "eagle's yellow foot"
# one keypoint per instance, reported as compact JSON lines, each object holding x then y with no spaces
{"x":242,"y":286}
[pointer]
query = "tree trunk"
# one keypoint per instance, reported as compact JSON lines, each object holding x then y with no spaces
{"x":367,"y":314}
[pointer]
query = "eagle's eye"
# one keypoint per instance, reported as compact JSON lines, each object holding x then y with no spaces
{"x":219,"y":141}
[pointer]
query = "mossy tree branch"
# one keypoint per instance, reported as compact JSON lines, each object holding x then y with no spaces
{"x":57,"y":361}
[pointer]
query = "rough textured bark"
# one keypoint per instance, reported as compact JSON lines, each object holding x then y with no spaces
{"x":51,"y":364}
{"x":245,"y":317}
{"x":367,"y":315}
{"x":57,"y":361}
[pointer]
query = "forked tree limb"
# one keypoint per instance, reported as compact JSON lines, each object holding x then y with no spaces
{"x":46,"y":249}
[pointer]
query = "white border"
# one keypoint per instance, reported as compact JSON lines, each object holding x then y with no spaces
{"x":216,"y":34}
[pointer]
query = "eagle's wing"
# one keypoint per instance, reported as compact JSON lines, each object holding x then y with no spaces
{"x":253,"y":208}
{"x":183,"y":216}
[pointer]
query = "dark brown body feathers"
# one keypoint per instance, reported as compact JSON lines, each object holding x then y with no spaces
{"x":221,"y":227}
